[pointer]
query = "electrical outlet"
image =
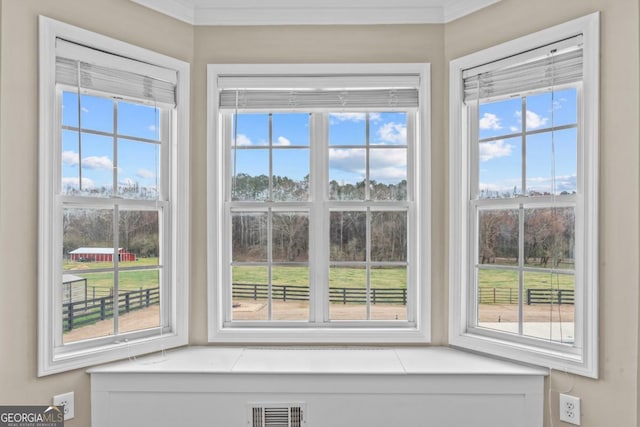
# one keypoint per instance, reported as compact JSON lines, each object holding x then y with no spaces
{"x":570,"y":409}
{"x":65,"y":399}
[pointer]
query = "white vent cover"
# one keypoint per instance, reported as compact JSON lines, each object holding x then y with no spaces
{"x":276,"y":414}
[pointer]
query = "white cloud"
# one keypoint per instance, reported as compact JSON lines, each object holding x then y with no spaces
{"x":127,"y":182}
{"x":350,"y":161}
{"x":490,"y":122}
{"x":375,"y":117}
{"x":69,"y":158}
{"x":145,"y":174}
{"x":152,"y":128}
{"x":494,"y":150}
{"x":282,"y":141}
{"x":73,"y":182}
{"x":349,"y":117}
{"x":394,"y":133}
{"x":353,"y":117}
{"x":84,"y":110}
{"x":243,"y":140}
{"x":534,"y":120}
{"x":95,"y":162}
{"x":386,"y":165}
{"x":514,"y":128}
{"x":543,"y":184}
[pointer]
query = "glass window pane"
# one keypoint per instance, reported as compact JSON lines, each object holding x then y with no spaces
{"x":140,"y":121}
{"x":96,"y":113}
{"x":87,"y":306}
{"x":388,"y":294}
{"x":389,"y":236}
{"x":500,"y":118}
{"x":548,"y":152}
{"x":252,"y":130}
{"x":290,"y":129}
{"x":87,"y":238}
{"x":250,"y":291}
{"x":498,"y":300}
{"x":249,"y":236}
{"x":347,"y":174}
{"x":388,"y":174}
{"x":251,"y":180}
{"x":139,"y":238}
{"x":138,"y":300}
{"x":290,"y":292}
{"x":388,"y":128}
{"x":348,"y":234}
{"x":97,"y":165}
{"x":549,"y":309}
{"x":290,"y":237}
{"x":549,"y":238}
{"x":551,"y":109}
{"x":500,"y":168}
{"x":290,"y":174}
{"x":347,"y":293}
{"x":71,"y":163}
{"x":347,"y":129}
{"x":498,"y":236}
{"x":70,"y":109}
{"x":138,"y":169}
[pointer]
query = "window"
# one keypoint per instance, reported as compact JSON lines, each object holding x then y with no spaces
{"x":318,"y":201}
{"x":524,"y":198}
{"x":113,"y":199}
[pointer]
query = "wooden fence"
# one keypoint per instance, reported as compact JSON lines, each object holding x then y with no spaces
{"x":79,"y":313}
{"x":336,"y":295}
{"x":532,"y":296}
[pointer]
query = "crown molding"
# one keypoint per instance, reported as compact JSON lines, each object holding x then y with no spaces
{"x":328,"y":12}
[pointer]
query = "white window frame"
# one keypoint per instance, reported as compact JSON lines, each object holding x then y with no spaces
{"x":53,"y":356}
{"x":321,"y":331}
{"x":582,"y":358}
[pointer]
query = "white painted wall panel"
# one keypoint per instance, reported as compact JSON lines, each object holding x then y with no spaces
{"x":209,"y":387}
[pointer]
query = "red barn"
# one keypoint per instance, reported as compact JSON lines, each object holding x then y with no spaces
{"x":100,"y":254}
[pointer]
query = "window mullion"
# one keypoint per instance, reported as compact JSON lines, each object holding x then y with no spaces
{"x":524,"y":146}
{"x":520,"y":269}
{"x":319,"y":220}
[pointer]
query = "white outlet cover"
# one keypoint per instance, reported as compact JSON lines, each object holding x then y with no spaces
{"x":570,"y":409}
{"x":65,"y":399}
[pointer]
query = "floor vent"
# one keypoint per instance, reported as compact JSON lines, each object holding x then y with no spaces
{"x":276,"y":415}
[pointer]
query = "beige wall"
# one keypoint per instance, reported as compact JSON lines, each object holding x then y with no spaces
{"x":611,"y":400}
{"x":121,"y":19}
{"x":436,"y":44}
{"x":343,"y":44}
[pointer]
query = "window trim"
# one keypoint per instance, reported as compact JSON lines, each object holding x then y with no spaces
{"x":52,"y":359}
{"x":526,"y":350}
{"x":217,"y":331}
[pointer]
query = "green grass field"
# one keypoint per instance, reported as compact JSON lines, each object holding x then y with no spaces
{"x":505,"y":279}
{"x":129,"y":280}
{"x":339,"y":277}
{"x":299,"y":276}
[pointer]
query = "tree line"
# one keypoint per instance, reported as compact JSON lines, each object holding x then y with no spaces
{"x":549,"y":236}
{"x":93,"y":228}
{"x":290,"y":237}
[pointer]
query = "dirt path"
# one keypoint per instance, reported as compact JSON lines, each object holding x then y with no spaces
{"x":132,"y":321}
{"x":298,"y":310}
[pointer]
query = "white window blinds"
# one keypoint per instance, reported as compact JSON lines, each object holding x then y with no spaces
{"x":345,"y":92}
{"x":548,"y":66}
{"x":113,"y":74}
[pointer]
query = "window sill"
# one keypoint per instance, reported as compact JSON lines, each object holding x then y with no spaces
{"x":319,"y":360}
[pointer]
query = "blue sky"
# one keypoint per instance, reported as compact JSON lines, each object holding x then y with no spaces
{"x":347,"y":138}
{"x":501,"y":165}
{"x":137,"y":161}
